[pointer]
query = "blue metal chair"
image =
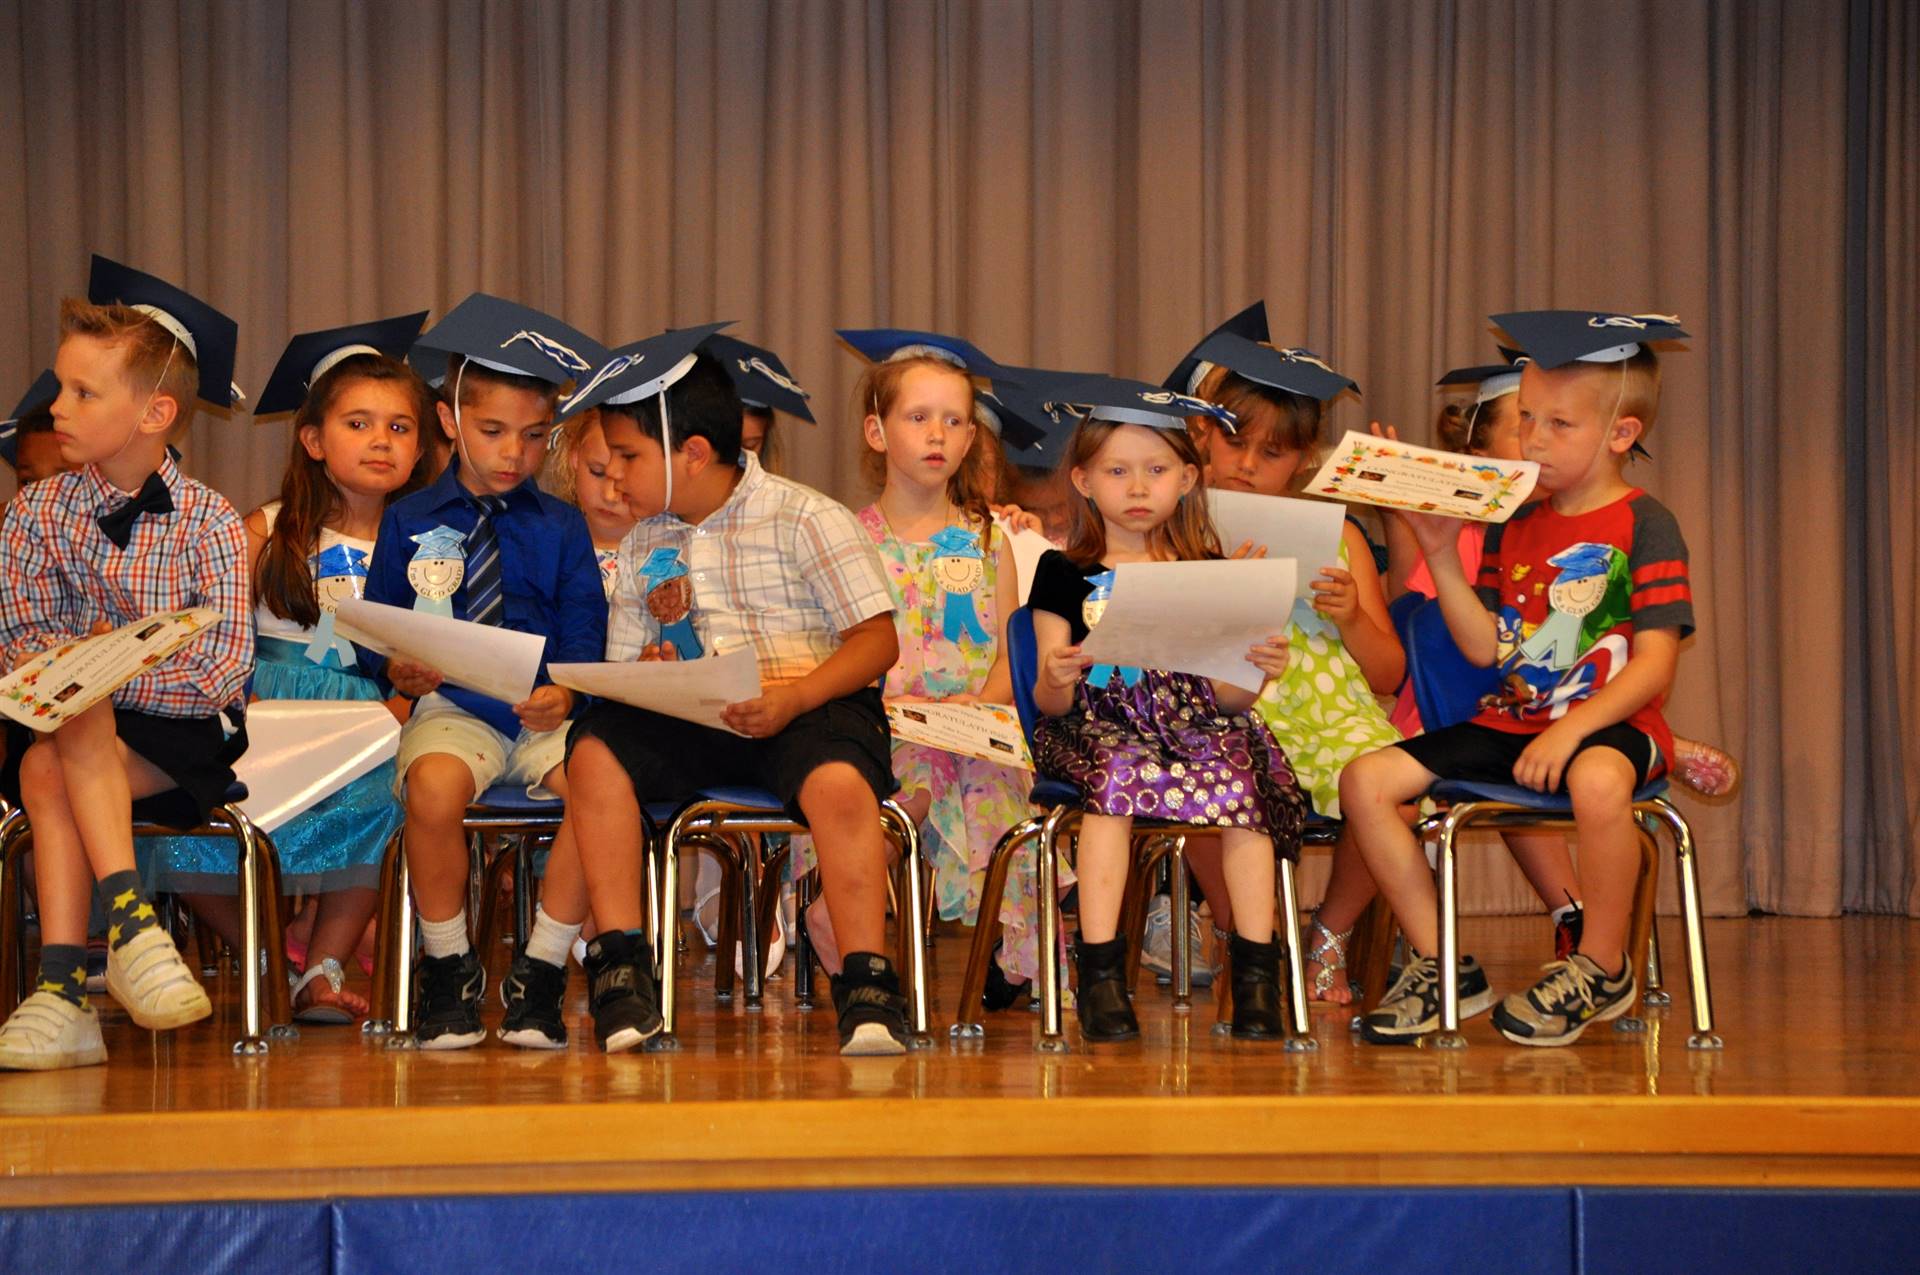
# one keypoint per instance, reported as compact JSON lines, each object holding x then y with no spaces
{"x":504,"y":809}
{"x":1059,"y":804}
{"x":265,"y":1006}
{"x":1447,"y":690}
{"x":727,"y":821}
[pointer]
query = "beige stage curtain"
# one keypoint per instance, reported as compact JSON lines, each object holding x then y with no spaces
{"x":1093,"y":185}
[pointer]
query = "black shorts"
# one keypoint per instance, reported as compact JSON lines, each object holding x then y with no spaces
{"x":670,"y":760}
{"x":1484,"y":755}
{"x":196,"y":753}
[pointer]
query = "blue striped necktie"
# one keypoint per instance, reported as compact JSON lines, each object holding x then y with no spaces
{"x":484,"y":593}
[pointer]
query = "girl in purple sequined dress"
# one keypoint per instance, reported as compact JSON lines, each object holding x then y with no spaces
{"x":1147,"y":742}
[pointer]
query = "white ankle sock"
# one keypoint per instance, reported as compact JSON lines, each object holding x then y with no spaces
{"x":550,"y":939}
{"x":446,"y":938}
{"x":1565,"y":910}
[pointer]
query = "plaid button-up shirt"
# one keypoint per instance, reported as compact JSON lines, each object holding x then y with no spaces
{"x":59,"y":575}
{"x":779,"y":565}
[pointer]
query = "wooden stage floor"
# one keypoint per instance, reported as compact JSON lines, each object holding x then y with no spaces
{"x":1817,"y":1085}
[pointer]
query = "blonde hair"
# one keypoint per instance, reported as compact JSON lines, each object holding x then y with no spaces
{"x":155,"y":362}
{"x":559,"y":478}
{"x":971,"y":486}
{"x":1188,"y":536}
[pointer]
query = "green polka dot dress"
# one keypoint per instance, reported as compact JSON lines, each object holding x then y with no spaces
{"x":1321,"y":711}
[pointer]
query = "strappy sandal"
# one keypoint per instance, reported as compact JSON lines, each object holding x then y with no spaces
{"x":334,"y":1005}
{"x":1328,"y":952}
{"x":1709,"y":771}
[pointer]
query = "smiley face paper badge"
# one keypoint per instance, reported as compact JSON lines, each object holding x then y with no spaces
{"x":959,"y":567}
{"x":436,"y":569}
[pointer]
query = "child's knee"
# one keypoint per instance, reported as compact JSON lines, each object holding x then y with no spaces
{"x":42,"y":780}
{"x":838,"y":795}
{"x":591,"y":768}
{"x":1368,"y":778}
{"x":1600,"y":782}
{"x":439,"y":789}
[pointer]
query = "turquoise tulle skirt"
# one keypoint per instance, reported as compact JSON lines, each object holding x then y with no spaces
{"x":335,"y":845}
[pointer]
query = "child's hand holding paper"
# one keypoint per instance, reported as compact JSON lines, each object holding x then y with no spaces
{"x":413,"y":679}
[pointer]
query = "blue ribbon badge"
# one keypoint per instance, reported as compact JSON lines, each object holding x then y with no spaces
{"x":663,"y":577}
{"x":1090,"y":612}
{"x":339,"y":572}
{"x":959,"y":567}
{"x":437,"y":568}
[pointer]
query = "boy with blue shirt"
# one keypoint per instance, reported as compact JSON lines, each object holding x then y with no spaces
{"x":484,"y":544}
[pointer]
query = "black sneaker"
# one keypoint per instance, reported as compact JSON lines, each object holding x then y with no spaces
{"x":873,"y":1013}
{"x":622,"y":992}
{"x":535,"y":994}
{"x":450,"y":992}
{"x":1411,"y":1007}
{"x":1570,"y":995}
{"x":1002,"y":992}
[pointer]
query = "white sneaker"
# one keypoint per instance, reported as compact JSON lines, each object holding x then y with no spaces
{"x":49,"y":1032}
{"x":146,"y":975}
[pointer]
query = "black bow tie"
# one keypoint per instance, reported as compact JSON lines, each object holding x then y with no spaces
{"x":153,"y":498}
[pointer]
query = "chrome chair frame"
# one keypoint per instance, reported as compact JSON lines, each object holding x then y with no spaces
{"x":266,"y":1009}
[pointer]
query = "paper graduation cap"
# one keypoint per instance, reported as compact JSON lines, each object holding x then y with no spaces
{"x":1490,"y":380}
{"x":508,"y":337}
{"x":1250,"y":325}
{"x":639,"y":371}
{"x":309,"y":355}
{"x":877,"y":345}
{"x":1297,"y":371}
{"x":1555,"y":338}
{"x":207,"y":335}
{"x":39,"y":396}
{"x":1117,"y":399}
{"x":760,"y":377}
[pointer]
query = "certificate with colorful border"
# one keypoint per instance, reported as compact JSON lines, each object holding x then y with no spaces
{"x":1367,"y":470}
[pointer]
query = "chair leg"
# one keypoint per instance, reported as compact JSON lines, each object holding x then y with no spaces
{"x":804,"y":889}
{"x":967,"y":1024}
{"x":1449,"y":1036}
{"x":1694,"y":915}
{"x":667,"y":941}
{"x":1640,"y":927}
{"x":772,"y":871}
{"x":280,"y":1025}
{"x":1046,"y":886}
{"x":1656,"y":996}
{"x":748,"y":848}
{"x":906,"y":837}
{"x":732,"y":873}
{"x":1180,"y":902}
{"x":15,"y":837}
{"x":526,"y":891}
{"x":253,"y":1041}
{"x":1300,"y":1026}
{"x":488,"y":924}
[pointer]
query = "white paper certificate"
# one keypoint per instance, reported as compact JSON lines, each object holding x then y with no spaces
{"x":1380,"y":471}
{"x":1194,"y":617}
{"x":990,"y":732}
{"x":481,"y":657}
{"x":55,"y":686}
{"x":692,"y":690}
{"x":1308,"y":531}
{"x":301,"y":751}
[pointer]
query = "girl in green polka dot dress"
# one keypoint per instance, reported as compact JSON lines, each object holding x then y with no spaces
{"x":1322,"y":711}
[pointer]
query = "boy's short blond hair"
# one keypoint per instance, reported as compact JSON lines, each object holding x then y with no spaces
{"x":155,"y":361}
{"x":1634,"y":383}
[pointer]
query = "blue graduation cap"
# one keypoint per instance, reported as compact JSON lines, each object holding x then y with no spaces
{"x":309,"y":355}
{"x":1582,"y":561}
{"x":1295,"y":370}
{"x":440,"y":542}
{"x":208,"y":336}
{"x":1555,"y":338}
{"x":880,"y":345}
{"x":760,"y":377}
{"x":957,"y":542}
{"x":1019,"y":421}
{"x":337,"y":560}
{"x":508,"y":337}
{"x":1489,"y":380}
{"x":39,"y":397}
{"x":636,"y":372}
{"x":1250,"y":324}
{"x":1093,"y":396}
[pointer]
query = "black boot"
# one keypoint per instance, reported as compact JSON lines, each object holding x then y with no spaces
{"x":622,"y":992}
{"x":1106,"y":1012}
{"x":1256,"y":989}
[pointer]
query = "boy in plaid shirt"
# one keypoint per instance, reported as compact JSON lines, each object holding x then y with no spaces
{"x":123,"y":536}
{"x":727,"y":555}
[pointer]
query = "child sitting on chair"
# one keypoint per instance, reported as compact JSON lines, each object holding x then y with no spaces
{"x":1582,"y":600}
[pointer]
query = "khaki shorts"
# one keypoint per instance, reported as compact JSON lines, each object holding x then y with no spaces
{"x":440,"y":726}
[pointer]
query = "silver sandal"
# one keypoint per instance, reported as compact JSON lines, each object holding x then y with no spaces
{"x":1323,"y":942}
{"x":336,"y":977}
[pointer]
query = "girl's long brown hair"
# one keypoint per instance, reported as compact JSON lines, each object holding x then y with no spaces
{"x":1188,"y":536}
{"x":282,"y":580}
{"x":971,"y":487}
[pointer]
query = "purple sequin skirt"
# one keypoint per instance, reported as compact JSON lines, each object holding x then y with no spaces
{"x":1162,"y":749}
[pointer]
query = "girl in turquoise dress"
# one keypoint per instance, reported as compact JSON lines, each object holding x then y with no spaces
{"x":356,"y":446}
